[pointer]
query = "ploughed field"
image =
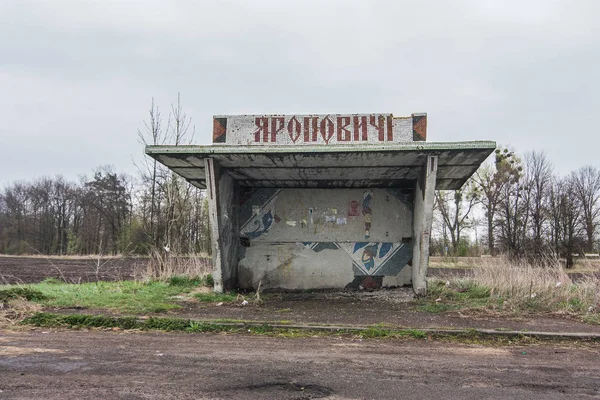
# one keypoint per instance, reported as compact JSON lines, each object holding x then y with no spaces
{"x":91,"y":269}
{"x":69,"y":269}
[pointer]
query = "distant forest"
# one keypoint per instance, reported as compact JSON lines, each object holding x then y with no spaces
{"x":110,"y":213}
{"x":105,"y":214}
{"x":514,"y":205}
{"x":518,"y":206}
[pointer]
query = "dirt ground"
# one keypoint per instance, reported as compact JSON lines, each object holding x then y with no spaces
{"x":91,"y":364}
{"x":60,"y":364}
{"x":394,"y":307}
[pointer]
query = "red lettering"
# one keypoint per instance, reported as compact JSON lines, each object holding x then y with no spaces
{"x":311,"y":122}
{"x":327,"y":128}
{"x":343,"y":134}
{"x":360,"y":127}
{"x":276,"y":127}
{"x":306,"y":129}
{"x":294,"y":128}
{"x":380,"y":126}
{"x":263,"y":126}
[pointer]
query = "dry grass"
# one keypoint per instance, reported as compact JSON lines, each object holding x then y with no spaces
{"x":586,"y":265}
{"x":68,"y":257}
{"x":163,"y":265}
{"x":15,"y":310}
{"x":454,"y":262}
{"x":583,"y":264}
{"x":548,"y":288}
{"x":497,"y":286}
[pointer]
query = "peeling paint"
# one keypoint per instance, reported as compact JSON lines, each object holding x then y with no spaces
{"x":385,"y":254}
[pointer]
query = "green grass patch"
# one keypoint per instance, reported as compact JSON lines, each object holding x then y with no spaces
{"x":216,"y":297}
{"x":462,"y":293}
{"x":79,"y":321}
{"x":186,"y":281}
{"x":125,"y":296}
{"x":17,"y":292}
{"x":374,"y":332}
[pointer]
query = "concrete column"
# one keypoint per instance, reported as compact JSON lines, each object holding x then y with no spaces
{"x":422,"y":219}
{"x":223,"y":210}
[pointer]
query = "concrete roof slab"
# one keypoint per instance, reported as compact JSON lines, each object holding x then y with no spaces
{"x":328,"y":166}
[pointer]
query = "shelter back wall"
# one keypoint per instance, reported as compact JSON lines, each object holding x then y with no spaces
{"x":324,"y":238}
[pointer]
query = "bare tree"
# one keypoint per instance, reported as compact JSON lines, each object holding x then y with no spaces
{"x":150,"y":169}
{"x":566,"y":220}
{"x":16,"y":205}
{"x":178,"y":193}
{"x":586,"y":184}
{"x":538,"y":178}
{"x":106,"y":205}
{"x":454,"y":208}
{"x":169,"y":206}
{"x":513,"y":207}
{"x":491,"y":180}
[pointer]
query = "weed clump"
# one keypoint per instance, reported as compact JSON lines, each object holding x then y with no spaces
{"x":216,"y":297}
{"x":167,"y":324}
{"x":376,"y":332}
{"x":81,"y":321}
{"x":186,"y":281}
{"x":210,"y":281}
{"x":21,"y":293}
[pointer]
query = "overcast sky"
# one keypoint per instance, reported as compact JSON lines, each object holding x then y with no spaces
{"x":77,"y":77}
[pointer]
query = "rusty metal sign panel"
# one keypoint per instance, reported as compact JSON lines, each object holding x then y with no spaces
{"x":330,"y":129}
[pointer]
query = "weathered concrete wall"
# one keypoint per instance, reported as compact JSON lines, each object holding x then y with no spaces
{"x":318,"y":129}
{"x":230,"y":238}
{"x":223,"y":194}
{"x":423,"y":218}
{"x":325,"y":238}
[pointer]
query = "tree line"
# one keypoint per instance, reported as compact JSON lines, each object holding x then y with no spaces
{"x":523,"y":209}
{"x":514,"y":205}
{"x":110,"y":213}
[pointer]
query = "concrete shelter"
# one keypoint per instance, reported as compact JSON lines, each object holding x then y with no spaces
{"x":322,"y":201}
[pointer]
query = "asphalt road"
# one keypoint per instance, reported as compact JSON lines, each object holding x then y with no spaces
{"x":116,"y":365}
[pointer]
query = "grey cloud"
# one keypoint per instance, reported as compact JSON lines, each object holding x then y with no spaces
{"x":76,"y":78}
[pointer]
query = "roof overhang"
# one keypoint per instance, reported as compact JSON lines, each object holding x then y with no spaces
{"x":342,"y":166}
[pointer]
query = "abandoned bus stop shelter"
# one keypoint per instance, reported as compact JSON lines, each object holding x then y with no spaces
{"x":322,"y":201}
